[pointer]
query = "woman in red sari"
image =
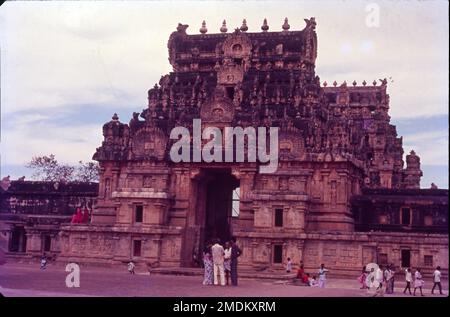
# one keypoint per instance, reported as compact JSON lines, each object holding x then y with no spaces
{"x":78,"y":217}
{"x":300,"y":272}
{"x":85,"y":215}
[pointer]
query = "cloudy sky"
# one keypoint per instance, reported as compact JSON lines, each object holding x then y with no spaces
{"x":66,"y":67}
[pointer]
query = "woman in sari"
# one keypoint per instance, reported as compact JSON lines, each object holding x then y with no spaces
{"x":362,"y":278}
{"x":418,"y":282}
{"x":208,"y":264}
{"x":78,"y":217}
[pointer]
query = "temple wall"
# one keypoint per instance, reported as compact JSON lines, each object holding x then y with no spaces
{"x":344,"y":254}
{"x":116,"y":245}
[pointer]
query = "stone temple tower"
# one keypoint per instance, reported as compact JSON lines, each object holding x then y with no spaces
{"x":335,"y":142}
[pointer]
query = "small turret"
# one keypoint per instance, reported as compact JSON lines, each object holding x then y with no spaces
{"x":244,"y":27}
{"x":412,"y":173}
{"x":265,"y":26}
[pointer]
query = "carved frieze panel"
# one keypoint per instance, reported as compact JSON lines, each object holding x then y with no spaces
{"x":237,"y":45}
{"x":218,"y":110}
{"x":149,"y":143}
{"x":290,"y":146}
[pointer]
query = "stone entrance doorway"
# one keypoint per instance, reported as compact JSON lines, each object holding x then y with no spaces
{"x":18,"y":242}
{"x":210,"y":212}
{"x":219,"y":186}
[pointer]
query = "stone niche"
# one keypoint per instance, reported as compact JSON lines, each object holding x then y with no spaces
{"x":171,"y":251}
{"x":156,"y":213}
{"x":263,"y":217}
{"x":261,"y":252}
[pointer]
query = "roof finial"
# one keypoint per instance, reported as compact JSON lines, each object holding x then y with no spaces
{"x":115,"y":117}
{"x":286,"y":25}
{"x":265,"y":27}
{"x":354,"y":83}
{"x":374,"y":82}
{"x":203,"y":29}
{"x":364,"y":83}
{"x":325,"y":83}
{"x":244,"y":26}
{"x":224,"y":29}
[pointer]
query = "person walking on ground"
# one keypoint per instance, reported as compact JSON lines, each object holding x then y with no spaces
{"x":378,"y":282}
{"x":43,"y":262}
{"x":392,"y":268}
{"x":408,"y":279}
{"x":227,"y":262}
{"x":131,"y":267}
{"x":289,"y":265}
{"x":418,"y":282}
{"x":437,"y":280}
{"x":218,"y":259}
{"x":322,"y":276}
{"x":235,"y":253}
{"x":362,"y":278}
{"x":370,"y":279}
{"x":388,"y":276}
{"x":208,"y":276}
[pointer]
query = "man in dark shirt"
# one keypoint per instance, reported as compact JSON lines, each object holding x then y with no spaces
{"x":235,"y":253}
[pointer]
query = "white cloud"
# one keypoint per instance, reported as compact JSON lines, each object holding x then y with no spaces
{"x":70,"y":144}
{"x":432,"y":146}
{"x":62,"y":54}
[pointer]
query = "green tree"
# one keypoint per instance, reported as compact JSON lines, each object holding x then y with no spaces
{"x":47,"y":168}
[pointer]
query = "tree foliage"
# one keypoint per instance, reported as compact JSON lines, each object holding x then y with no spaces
{"x":47,"y":168}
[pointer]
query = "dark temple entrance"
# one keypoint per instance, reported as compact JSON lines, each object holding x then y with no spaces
{"x":218,"y":204}
{"x":213,"y":202}
{"x":18,"y":242}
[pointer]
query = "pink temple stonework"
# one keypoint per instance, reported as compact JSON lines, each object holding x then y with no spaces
{"x":342,"y":194}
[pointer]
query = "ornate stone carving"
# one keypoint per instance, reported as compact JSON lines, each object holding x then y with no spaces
{"x":220,"y":109}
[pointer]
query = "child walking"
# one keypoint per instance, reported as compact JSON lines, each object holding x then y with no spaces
{"x":288,"y":265}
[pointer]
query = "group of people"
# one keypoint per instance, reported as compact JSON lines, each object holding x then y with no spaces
{"x":381,"y":280}
{"x":220,"y":263}
{"x":80,"y":217}
{"x":305,"y":278}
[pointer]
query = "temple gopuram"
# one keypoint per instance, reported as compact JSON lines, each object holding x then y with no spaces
{"x":342,"y":193}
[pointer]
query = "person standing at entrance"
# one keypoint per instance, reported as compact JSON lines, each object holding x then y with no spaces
{"x":227,"y":262}
{"x":235,"y":253}
{"x":208,"y":266}
{"x":218,"y":259}
{"x":322,"y":276}
{"x":437,"y":280}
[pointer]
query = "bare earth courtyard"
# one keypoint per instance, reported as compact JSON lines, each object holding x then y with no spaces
{"x":28,"y":280}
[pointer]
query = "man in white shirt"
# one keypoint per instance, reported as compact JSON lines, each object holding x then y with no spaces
{"x":322,"y":276}
{"x":437,"y":280}
{"x":408,"y":279}
{"x":218,"y":258}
